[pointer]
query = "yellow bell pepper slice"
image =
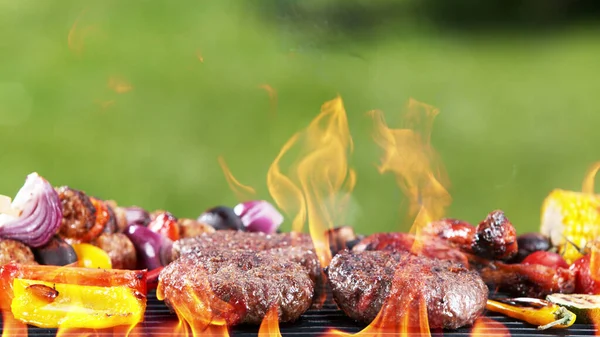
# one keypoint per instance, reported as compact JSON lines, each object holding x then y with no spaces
{"x":60,"y":305}
{"x":90,"y":256}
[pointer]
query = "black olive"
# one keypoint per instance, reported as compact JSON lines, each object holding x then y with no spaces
{"x":529,"y":243}
{"x":55,"y":253}
{"x":222,"y":218}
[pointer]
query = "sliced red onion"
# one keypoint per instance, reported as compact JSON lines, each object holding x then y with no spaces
{"x":153,"y":250}
{"x":137,"y":216}
{"x":259,"y":216}
{"x":40,"y":213}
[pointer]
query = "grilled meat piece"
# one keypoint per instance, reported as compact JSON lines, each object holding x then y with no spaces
{"x":15,"y":251}
{"x":120,"y":215}
{"x":432,"y":247}
{"x":79,"y":214}
{"x":494,"y":238}
{"x":189,"y":228}
{"x":119,"y":248}
{"x":239,"y":286}
{"x":363,"y":283}
{"x":531,"y":280}
{"x":295,"y":246}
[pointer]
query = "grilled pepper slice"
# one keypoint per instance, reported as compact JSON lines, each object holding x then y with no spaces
{"x":90,"y":256}
{"x":60,"y":305}
{"x":52,"y":296}
{"x":537,"y":312}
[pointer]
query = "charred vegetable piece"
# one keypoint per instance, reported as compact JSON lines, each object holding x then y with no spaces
{"x":119,"y":214}
{"x":221,"y":218}
{"x":119,"y":248}
{"x":166,"y":225}
{"x":153,"y":250}
{"x":529,"y":243}
{"x":57,"y":252}
{"x":189,"y":228}
{"x":549,"y":259}
{"x":102,"y":217}
{"x":259,"y":216}
{"x":537,"y":312}
{"x":90,"y":256}
{"x":135,"y":280}
{"x":586,"y":307}
{"x":61,"y":305}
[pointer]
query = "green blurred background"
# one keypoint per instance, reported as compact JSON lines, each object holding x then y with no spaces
{"x":517,"y":87}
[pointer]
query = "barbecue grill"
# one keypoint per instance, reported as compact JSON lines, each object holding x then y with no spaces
{"x":316,"y":322}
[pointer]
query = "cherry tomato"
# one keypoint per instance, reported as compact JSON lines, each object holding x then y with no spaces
{"x":584,"y":282}
{"x":545,"y":258}
{"x":166,"y":225}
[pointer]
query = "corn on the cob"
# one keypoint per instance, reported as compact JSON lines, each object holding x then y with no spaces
{"x":571,"y":220}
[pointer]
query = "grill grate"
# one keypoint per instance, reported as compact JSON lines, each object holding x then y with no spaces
{"x":312,"y":323}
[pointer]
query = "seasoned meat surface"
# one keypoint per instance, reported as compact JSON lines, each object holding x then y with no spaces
{"x":239,"y":286}
{"x":119,"y":248}
{"x":294,"y":246}
{"x":403,"y":242}
{"x":79,"y":214}
{"x":15,"y":251}
{"x":362,"y":282}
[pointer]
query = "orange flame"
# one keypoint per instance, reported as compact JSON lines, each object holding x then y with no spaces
{"x":484,"y":327}
{"x":319,"y":183}
{"x":242,"y":192}
{"x":409,"y":155}
{"x":119,"y":85}
{"x":76,"y":36}
{"x":272,"y":97}
{"x":588,"y":188}
{"x":200,"y":310}
{"x":270,"y":324}
{"x":11,"y":326}
{"x":397,"y":318}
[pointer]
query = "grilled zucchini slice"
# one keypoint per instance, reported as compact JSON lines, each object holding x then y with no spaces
{"x":586,"y":307}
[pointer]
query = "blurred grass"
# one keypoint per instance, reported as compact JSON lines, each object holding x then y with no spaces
{"x":519,"y":115}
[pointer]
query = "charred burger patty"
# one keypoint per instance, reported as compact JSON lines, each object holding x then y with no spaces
{"x":362,"y":282}
{"x":249,"y":282}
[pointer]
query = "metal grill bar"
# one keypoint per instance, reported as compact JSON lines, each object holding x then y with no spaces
{"x":312,"y":323}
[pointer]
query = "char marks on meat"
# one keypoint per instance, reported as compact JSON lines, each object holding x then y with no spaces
{"x":362,"y":282}
{"x":296,"y":247}
{"x":79,"y":214}
{"x":403,"y":242}
{"x":249,"y":281}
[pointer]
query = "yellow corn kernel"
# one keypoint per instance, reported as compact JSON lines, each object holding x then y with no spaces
{"x":571,"y":220}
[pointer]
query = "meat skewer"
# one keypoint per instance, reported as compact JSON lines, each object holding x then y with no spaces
{"x":494,"y":238}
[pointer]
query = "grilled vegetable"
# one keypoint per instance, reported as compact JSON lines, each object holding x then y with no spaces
{"x":90,"y":256}
{"x":55,"y":253}
{"x":549,"y":259}
{"x":259,"y":216}
{"x":585,"y":283}
{"x":529,"y":243}
{"x":166,"y":225}
{"x":71,"y":297}
{"x":571,"y":220}
{"x":542,"y":313}
{"x":221,"y":218}
{"x":60,"y":305}
{"x":586,"y":307}
{"x":153,"y":250}
{"x":34,"y":216}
